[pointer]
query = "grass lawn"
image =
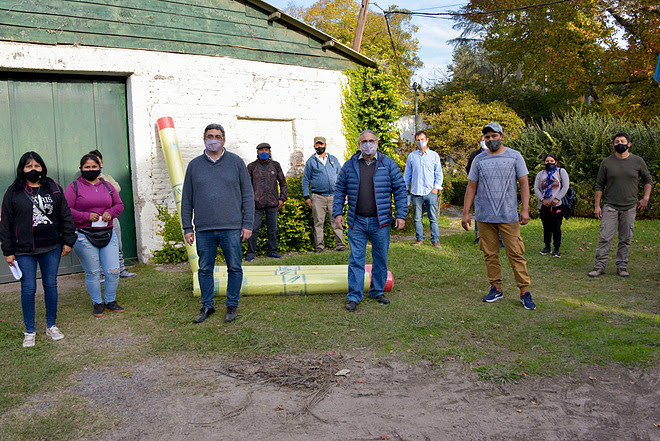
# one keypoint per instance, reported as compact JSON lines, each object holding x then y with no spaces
{"x":436,"y":314}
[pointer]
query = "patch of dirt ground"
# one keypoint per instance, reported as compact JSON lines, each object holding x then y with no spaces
{"x":301,"y":398}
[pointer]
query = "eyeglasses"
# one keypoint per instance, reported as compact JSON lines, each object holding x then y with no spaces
{"x":218,"y":137}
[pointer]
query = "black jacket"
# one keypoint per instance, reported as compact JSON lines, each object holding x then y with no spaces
{"x":16,"y":221}
{"x":473,"y":155}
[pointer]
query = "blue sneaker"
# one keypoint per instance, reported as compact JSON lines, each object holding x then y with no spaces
{"x":493,"y":295}
{"x":249,"y":258}
{"x":526,"y":300}
{"x":274,"y":255}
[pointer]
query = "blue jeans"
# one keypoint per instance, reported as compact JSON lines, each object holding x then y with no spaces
{"x":207,"y":249}
{"x":364,"y":228}
{"x":49,"y":263}
{"x":431,"y":203}
{"x":94,"y":260}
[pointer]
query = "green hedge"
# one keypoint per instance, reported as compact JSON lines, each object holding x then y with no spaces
{"x":295,"y":229}
{"x":581,"y":141}
{"x":453,"y":189}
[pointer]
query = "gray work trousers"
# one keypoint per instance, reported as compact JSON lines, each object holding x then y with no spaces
{"x":608,"y":227}
{"x":320,"y":205}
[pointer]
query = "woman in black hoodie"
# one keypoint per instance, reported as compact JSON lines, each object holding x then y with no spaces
{"x":36,"y":228}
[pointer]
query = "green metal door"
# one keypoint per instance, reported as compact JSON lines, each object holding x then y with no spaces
{"x":62,"y":118}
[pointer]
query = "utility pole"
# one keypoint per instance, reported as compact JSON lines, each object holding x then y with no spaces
{"x":416,"y":88}
{"x":362,"y":20}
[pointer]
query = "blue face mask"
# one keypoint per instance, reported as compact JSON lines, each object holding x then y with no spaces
{"x":263,"y":156}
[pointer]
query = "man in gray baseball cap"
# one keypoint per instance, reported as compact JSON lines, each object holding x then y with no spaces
{"x":492,"y":187}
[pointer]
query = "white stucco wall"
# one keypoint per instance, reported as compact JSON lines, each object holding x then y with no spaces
{"x":406,"y":127}
{"x":286,"y":106}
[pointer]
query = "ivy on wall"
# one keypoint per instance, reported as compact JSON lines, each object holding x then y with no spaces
{"x":370,"y":101}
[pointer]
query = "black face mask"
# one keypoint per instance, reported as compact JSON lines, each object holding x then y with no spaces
{"x":494,"y":144}
{"x":33,"y":176}
{"x":550,"y":166}
{"x":90,"y":175}
{"x":319,"y":150}
{"x":620,"y":148}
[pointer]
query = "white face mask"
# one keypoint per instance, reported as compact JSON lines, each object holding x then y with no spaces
{"x":421,"y":144}
{"x":368,"y":148}
{"x":483,"y":145}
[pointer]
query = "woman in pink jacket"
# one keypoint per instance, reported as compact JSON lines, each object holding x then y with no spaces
{"x":94,"y":204}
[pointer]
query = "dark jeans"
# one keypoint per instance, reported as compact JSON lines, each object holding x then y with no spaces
{"x":551,"y":217}
{"x":48,"y":263}
{"x":207,"y":249}
{"x":271,"y":225}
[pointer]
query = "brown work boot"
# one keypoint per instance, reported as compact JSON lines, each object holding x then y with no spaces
{"x":418,"y":242}
{"x":596,"y":272}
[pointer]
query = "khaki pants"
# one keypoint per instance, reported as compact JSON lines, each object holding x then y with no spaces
{"x":321,"y":205}
{"x":489,"y":243}
{"x":608,"y":227}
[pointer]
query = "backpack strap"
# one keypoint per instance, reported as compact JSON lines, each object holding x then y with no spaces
{"x":106,"y":185}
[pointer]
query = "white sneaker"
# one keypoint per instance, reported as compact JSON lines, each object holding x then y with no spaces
{"x":28,"y":340}
{"x":54,"y":333}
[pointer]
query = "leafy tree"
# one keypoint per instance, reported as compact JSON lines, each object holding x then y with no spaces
{"x":581,"y":140}
{"x":455,"y":130}
{"x":472,"y":71}
{"x":370,"y":101}
{"x":605,"y":50}
{"x":338,"y":18}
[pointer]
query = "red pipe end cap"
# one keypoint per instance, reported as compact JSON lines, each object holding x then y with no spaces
{"x":165,"y":122}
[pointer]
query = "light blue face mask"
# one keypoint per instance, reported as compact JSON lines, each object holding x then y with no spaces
{"x":264,"y":156}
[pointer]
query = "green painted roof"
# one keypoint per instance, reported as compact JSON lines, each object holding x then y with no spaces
{"x":243,"y":29}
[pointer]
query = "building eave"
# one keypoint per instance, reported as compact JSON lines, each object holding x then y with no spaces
{"x":328,"y":40}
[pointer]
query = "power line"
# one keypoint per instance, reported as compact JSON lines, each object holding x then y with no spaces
{"x":442,"y":7}
{"x":396,"y":56}
{"x":450,"y":15}
{"x":447,"y":15}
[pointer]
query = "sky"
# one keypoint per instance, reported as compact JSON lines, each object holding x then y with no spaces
{"x":433,"y":34}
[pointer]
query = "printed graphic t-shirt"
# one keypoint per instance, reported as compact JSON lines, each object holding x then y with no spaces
{"x":497,"y":176}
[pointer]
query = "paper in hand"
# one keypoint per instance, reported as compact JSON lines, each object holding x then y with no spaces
{"x":16,"y":270}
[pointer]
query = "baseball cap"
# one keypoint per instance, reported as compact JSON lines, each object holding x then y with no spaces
{"x":492,"y":127}
{"x":319,"y":139}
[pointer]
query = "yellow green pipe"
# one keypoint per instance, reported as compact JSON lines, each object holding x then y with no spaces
{"x":287,"y":269}
{"x":170,"y":145}
{"x":284,"y":285}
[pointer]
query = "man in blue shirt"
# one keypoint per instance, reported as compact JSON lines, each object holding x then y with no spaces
{"x":423,"y":177}
{"x":369,"y":179}
{"x":492,"y":186}
{"x":321,"y":171}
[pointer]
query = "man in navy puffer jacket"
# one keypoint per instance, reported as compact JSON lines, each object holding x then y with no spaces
{"x":369,"y":179}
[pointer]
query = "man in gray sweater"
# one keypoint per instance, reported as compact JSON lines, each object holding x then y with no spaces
{"x":218,"y":190}
{"x":618,"y":180}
